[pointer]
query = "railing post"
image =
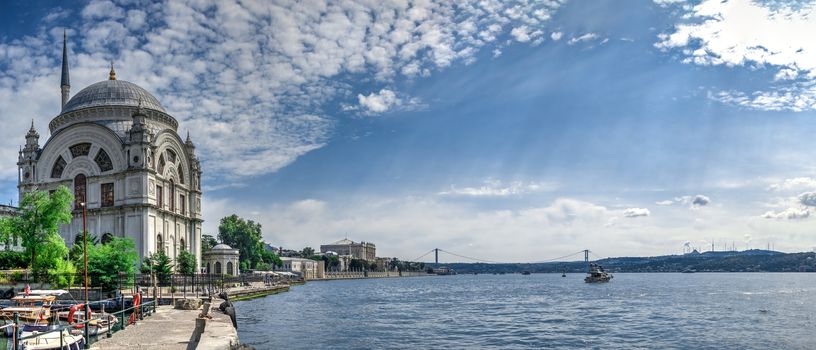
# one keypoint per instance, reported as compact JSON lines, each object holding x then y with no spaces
{"x":123,"y":311}
{"x":86,"y":328}
{"x":141,"y":307}
{"x":16,"y":333}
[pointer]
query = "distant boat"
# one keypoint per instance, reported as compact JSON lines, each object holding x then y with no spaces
{"x":564,"y":274}
{"x":525,"y":273}
{"x":597,"y":274}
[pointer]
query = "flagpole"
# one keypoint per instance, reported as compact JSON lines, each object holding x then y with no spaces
{"x":85,"y":247}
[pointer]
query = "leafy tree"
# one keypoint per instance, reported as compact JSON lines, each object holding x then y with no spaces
{"x":186,"y":263}
{"x":373,"y":266}
{"x":307,"y":252}
{"x":106,"y":261}
{"x":207,"y":242}
{"x":52,"y":261}
{"x":160,"y":264}
{"x":244,"y":235}
{"x":77,"y":252}
{"x":358,"y":264}
{"x":40,"y":217}
{"x":270,"y":258}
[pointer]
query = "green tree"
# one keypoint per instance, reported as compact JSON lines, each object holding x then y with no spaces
{"x":52,"y":261}
{"x":160,"y":264}
{"x":109,"y":260}
{"x":186,"y":263}
{"x":40,"y":217}
{"x":244,"y":235}
{"x":270,"y":258}
{"x":207,"y":242}
{"x":307,"y":252}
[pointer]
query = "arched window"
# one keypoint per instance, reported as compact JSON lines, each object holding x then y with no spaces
{"x":106,"y":238}
{"x":103,"y":161}
{"x":181,"y":243}
{"x":172,"y":196}
{"x":208,"y":268}
{"x":229,"y":268}
{"x":80,"y":185}
{"x":59,"y":166}
{"x":180,"y":174}
{"x":217,"y":268}
{"x":171,"y":156}
{"x":159,"y":244}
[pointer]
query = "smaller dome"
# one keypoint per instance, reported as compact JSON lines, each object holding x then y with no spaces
{"x":221,"y":246}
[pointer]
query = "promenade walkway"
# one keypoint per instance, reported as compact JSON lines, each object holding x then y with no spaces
{"x":171,"y":329}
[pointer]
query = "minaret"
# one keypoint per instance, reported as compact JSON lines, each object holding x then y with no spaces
{"x":65,"y":83}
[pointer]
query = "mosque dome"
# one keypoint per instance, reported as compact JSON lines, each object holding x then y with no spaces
{"x":221,"y":246}
{"x":112,"y":93}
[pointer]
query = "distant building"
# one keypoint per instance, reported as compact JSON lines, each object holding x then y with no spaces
{"x":362,"y":250}
{"x":7,"y":211}
{"x":308,"y":268}
{"x":222,"y":260}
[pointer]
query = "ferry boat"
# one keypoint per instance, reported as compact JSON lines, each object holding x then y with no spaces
{"x":597,"y":274}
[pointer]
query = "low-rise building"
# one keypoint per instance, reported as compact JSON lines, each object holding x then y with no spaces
{"x":222,"y":260}
{"x":308,"y":268}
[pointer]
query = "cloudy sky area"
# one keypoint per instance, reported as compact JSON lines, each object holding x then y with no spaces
{"x":505,"y":130}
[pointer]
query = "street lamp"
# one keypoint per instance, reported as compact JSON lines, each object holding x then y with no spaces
{"x":85,"y":248}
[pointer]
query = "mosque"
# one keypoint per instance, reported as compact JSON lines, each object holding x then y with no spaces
{"x":118,"y":150}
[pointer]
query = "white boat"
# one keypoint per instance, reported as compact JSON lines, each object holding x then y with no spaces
{"x":597,"y":274}
{"x":48,"y":341}
{"x":100,"y":323}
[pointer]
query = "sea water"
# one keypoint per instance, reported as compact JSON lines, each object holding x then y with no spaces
{"x":648,"y":311}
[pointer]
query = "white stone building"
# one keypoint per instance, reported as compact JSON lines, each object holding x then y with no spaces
{"x":116,"y":148}
{"x":222,"y":260}
{"x":308,"y":268}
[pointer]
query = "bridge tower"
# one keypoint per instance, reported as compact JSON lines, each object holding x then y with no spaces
{"x":436,"y":256}
{"x":586,"y":258}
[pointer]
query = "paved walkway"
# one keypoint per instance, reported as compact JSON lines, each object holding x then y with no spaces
{"x":171,"y":329}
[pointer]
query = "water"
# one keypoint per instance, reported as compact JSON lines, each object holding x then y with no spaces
{"x":650,"y":311}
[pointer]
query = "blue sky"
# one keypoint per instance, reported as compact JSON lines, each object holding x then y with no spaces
{"x":511,"y":131}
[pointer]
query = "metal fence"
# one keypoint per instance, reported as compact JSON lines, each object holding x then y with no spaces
{"x":125,"y":317}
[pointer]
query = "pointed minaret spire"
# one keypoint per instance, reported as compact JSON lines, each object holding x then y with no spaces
{"x":65,"y":82}
{"x":112,"y":73}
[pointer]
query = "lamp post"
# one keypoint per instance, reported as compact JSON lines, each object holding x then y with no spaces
{"x":85,"y":246}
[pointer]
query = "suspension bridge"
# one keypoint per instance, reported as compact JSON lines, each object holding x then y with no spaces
{"x":586,"y":255}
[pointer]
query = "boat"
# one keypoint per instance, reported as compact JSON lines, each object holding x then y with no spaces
{"x":32,"y":308}
{"x":564,"y":273}
{"x":100,"y":322}
{"x":525,"y":273}
{"x":54,"y":340}
{"x":597,"y":274}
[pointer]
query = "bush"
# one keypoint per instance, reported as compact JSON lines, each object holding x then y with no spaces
{"x":13,"y":260}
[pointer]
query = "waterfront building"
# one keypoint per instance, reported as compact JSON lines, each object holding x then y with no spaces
{"x":222,"y":260}
{"x":362,"y":250}
{"x":308,"y":268}
{"x":118,"y":150}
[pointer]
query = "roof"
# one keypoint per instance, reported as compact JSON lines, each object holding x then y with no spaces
{"x":221,"y":246}
{"x":112,"y":93}
{"x":344,"y":241}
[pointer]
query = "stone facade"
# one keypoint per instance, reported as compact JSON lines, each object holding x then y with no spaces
{"x":309,"y":269}
{"x":116,"y":148}
{"x":222,"y":260}
{"x":362,"y":250}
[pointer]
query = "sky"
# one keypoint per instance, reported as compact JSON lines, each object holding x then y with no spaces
{"x":513,"y":131}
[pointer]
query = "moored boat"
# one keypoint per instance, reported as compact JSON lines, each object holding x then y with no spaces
{"x":56,"y":339}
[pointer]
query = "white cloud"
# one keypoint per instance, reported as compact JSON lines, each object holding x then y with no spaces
{"x":521,"y":34}
{"x":250,"y":79}
{"x":636,"y":212}
{"x":695,"y":201}
{"x":788,"y":214}
{"x":496,"y":188}
{"x":582,"y":38}
{"x":794,"y":184}
{"x":754,"y":34}
{"x":555,"y":36}
{"x":379,"y":102}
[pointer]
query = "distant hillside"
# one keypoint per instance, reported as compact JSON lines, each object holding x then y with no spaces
{"x":755,"y":260}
